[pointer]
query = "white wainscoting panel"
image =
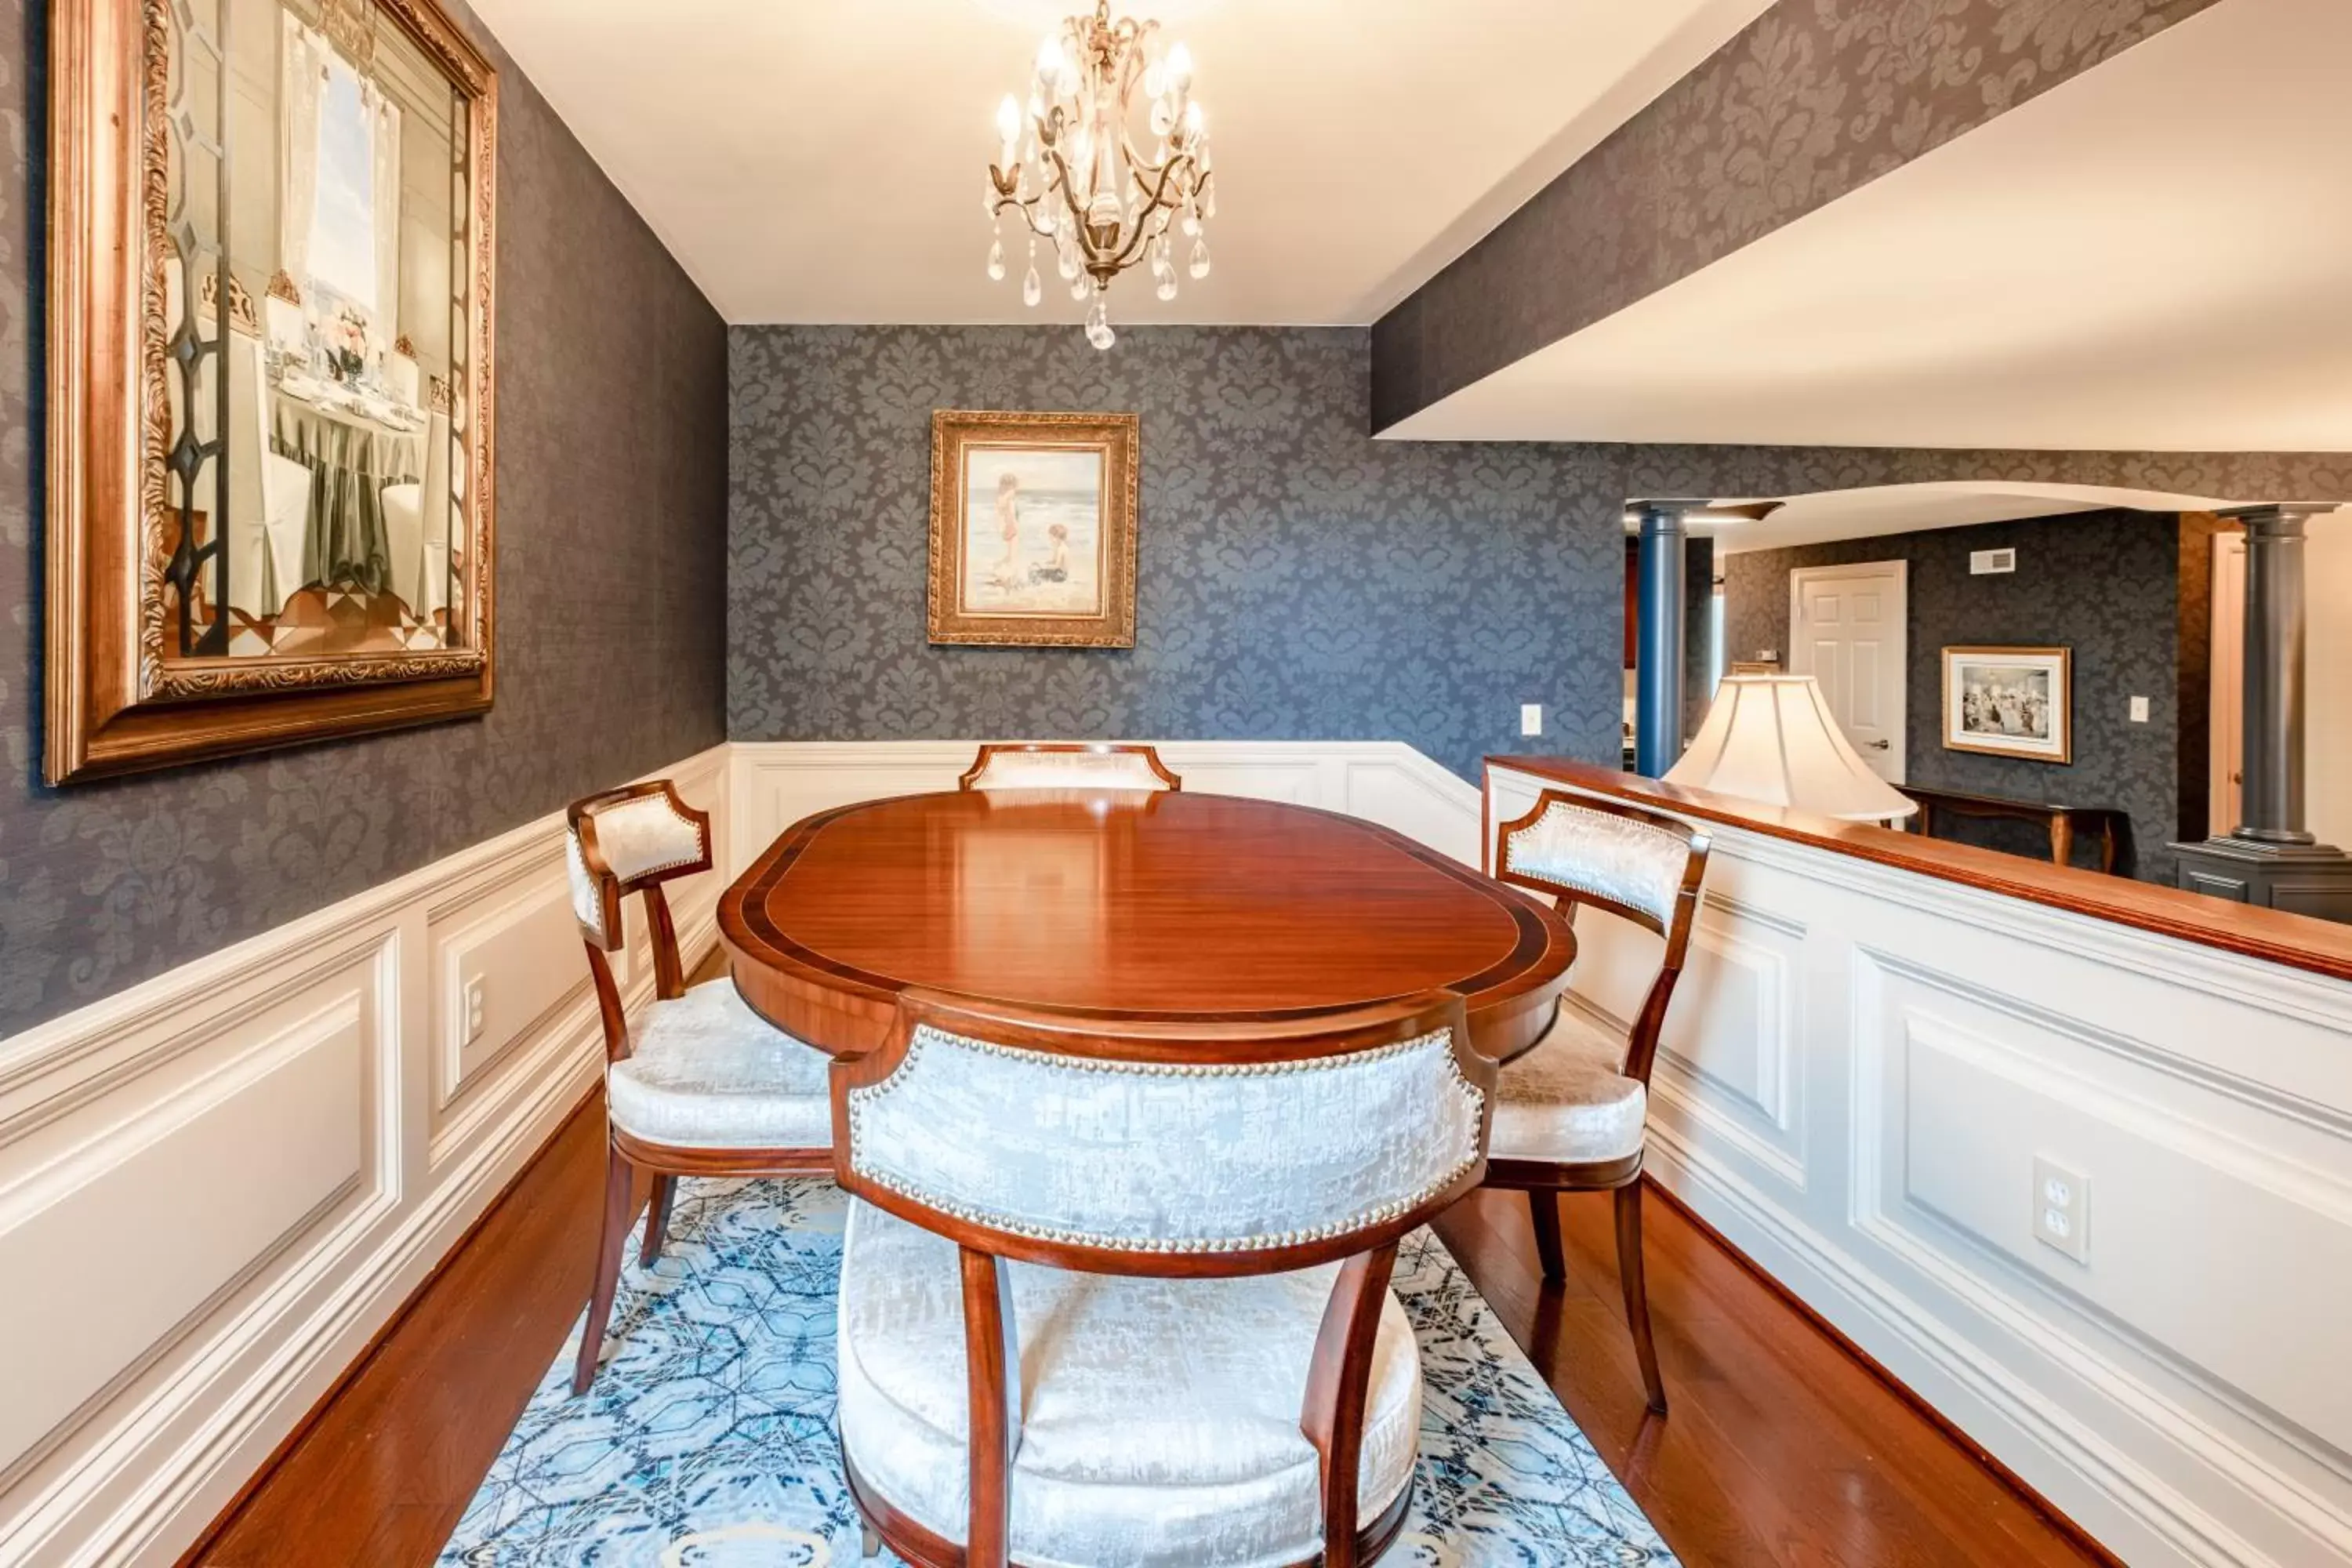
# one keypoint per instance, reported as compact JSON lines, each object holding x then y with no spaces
{"x":778,"y":783}
{"x":224,"y":1180}
{"x":1863,"y":1066}
{"x":217,"y":1186}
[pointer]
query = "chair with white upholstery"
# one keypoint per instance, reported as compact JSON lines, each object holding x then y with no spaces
{"x":417,"y":518}
{"x":701,"y":1085}
{"x":1570,"y":1113}
{"x":1124,"y":1296}
{"x":268,"y":493}
{"x":1069,"y":765}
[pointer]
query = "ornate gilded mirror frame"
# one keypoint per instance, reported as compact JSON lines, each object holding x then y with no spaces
{"x":133,"y":682}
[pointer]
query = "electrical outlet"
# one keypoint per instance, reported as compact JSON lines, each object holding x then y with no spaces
{"x":473,"y":1011}
{"x":2062,"y":1210}
{"x":2139,"y":710}
{"x":1530,"y":718}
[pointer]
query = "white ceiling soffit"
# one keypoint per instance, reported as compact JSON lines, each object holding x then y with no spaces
{"x":1867,"y":511}
{"x":2156,"y":256}
{"x":815,"y":161}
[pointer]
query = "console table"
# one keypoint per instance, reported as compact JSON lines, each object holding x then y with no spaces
{"x":2062,"y":821}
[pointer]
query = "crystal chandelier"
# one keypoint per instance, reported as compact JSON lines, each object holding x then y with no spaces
{"x":1070,"y":168}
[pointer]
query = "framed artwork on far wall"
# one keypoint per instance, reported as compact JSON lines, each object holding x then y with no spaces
{"x":1032,"y":529}
{"x":2010,"y":702}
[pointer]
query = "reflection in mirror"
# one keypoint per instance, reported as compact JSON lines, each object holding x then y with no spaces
{"x":317,"y":195}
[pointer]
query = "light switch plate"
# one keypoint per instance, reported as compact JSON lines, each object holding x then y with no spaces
{"x":2139,"y":710}
{"x":1530,"y":718}
{"x":2062,"y":1210}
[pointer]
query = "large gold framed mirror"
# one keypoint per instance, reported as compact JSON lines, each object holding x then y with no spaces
{"x":272,"y":232}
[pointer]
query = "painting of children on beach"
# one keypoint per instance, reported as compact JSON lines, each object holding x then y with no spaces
{"x":1032,"y":529}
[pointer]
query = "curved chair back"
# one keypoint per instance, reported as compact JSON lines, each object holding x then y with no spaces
{"x":1252,"y":1149}
{"x":1069,"y":765}
{"x":1634,"y":862}
{"x":623,"y":841}
{"x":1255,"y":1149}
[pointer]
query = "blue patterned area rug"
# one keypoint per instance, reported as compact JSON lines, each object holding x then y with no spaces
{"x":707,"y":1441}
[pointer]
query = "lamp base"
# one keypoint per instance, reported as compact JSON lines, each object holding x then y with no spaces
{"x":2313,"y":879}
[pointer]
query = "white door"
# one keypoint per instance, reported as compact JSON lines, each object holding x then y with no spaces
{"x":1848,"y":628}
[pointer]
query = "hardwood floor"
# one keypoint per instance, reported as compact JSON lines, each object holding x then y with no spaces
{"x":1781,"y":1450}
{"x":1781,"y":1447}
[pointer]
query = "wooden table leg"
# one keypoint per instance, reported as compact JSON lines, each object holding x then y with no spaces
{"x":2061,"y":838}
{"x":2107,"y":844}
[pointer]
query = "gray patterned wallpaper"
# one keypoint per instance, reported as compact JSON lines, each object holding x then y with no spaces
{"x":1812,"y":100}
{"x":2105,"y":584}
{"x":612,"y":490}
{"x":1297,"y":579}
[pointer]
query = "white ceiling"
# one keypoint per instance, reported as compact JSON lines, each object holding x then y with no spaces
{"x":1869,"y":510}
{"x":817,"y":161}
{"x":2155,"y":256}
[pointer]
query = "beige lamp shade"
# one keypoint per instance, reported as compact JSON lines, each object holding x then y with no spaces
{"x":1771,"y":738}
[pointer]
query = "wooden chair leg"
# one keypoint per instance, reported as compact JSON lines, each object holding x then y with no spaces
{"x":619,"y":1183}
{"x":1637,"y":1296}
{"x":1543,"y":1206}
{"x":656,"y":1218}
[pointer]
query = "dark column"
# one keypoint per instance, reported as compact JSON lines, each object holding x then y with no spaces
{"x":1658,"y":643}
{"x":2271,"y":858}
{"x":2272,"y":789}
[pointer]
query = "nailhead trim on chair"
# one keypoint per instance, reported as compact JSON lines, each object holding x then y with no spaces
{"x":970,"y":1215}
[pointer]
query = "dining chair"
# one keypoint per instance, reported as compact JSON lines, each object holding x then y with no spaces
{"x":1570,"y":1113}
{"x":701,"y":1085}
{"x":270,"y":493}
{"x":1069,"y":765}
{"x":1124,"y":1296}
{"x":417,"y":517}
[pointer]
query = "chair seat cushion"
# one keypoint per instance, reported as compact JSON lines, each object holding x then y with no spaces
{"x":1160,"y":1419}
{"x":705,"y":1071}
{"x":1566,"y":1100}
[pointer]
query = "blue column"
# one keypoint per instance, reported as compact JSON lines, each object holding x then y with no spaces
{"x":1658,"y":640}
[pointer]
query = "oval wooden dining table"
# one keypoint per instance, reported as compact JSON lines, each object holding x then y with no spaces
{"x":1125,"y":906}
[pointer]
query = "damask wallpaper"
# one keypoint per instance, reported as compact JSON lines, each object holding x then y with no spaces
{"x":2105,"y":584}
{"x":1812,"y":100}
{"x":1295,"y":578}
{"x":612,"y":493}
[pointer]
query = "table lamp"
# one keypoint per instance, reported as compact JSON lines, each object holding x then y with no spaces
{"x":1771,"y":738}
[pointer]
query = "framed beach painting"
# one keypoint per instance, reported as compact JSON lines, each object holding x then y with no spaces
{"x":1032,"y":529}
{"x":2010,"y":702}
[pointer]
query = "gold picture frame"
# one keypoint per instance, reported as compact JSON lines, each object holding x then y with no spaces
{"x":1033,"y":528}
{"x":2009,"y":701}
{"x":168,"y":640}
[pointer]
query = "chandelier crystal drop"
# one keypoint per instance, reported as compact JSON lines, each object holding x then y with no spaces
{"x":1069,"y":164}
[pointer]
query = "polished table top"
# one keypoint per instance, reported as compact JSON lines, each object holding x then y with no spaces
{"x":1119,"y":905}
